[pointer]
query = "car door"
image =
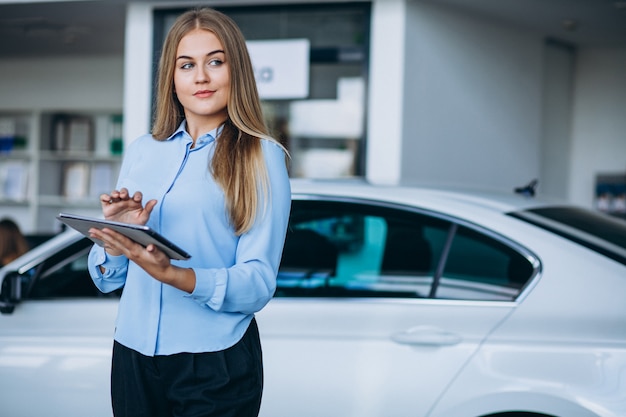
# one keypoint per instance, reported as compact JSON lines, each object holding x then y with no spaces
{"x":379,"y":307}
{"x":55,"y":346}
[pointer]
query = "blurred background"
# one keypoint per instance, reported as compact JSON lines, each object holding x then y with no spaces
{"x":471,"y":93}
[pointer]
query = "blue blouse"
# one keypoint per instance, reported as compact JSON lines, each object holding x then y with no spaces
{"x":235,"y":275}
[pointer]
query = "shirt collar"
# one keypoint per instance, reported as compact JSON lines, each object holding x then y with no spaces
{"x":202,"y":140}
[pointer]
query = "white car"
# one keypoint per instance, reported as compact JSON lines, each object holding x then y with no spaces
{"x":391,"y":302}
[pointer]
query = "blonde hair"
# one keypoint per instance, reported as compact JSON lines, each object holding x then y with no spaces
{"x":238,"y":165}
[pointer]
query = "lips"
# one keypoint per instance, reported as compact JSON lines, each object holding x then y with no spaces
{"x":203,"y":93}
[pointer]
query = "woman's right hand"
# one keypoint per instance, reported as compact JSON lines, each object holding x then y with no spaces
{"x":120,"y":206}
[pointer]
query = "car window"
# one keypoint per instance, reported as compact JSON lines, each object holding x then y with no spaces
{"x":481,"y":267}
{"x":350,"y":249}
{"x":62,"y":275}
{"x":597,"y":231}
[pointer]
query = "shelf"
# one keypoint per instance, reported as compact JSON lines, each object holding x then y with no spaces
{"x":58,"y":201}
{"x":78,"y":156}
{"x":15,"y":156}
{"x":52,"y":161}
{"x":14,"y":203}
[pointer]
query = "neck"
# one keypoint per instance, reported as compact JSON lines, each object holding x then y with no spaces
{"x":198,"y":126}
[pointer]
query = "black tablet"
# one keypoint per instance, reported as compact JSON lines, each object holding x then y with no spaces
{"x":141,"y":234}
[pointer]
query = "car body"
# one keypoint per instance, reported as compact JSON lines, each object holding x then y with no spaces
{"x":401,"y":301}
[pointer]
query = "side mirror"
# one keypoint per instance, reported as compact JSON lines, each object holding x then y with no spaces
{"x":11,"y":293}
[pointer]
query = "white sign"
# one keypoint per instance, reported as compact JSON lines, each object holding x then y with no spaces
{"x":281,"y":68}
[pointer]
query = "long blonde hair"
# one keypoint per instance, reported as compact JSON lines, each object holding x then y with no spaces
{"x":238,"y":165}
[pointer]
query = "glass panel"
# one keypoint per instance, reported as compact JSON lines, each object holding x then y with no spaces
{"x":330,"y":25}
{"x":62,"y":275}
{"x":324,"y":132}
{"x":479,"y":267}
{"x":339,"y":249}
{"x":596,"y":231}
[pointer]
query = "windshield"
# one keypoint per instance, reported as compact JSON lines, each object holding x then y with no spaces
{"x":597,"y":231}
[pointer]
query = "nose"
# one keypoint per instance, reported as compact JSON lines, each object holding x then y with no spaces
{"x":202,"y":75}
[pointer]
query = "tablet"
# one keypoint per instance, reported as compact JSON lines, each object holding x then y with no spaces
{"x":141,"y":234}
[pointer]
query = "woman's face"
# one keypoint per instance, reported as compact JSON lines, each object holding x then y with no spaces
{"x":201,"y":79}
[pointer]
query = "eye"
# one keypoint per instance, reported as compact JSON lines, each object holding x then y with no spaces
{"x":215,"y":62}
{"x":186,"y":65}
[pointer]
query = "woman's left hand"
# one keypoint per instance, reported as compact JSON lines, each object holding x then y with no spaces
{"x":151,"y":259}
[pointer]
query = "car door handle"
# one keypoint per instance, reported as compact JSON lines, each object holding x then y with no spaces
{"x":426,"y":336}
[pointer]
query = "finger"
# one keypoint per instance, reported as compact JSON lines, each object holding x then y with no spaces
{"x":124,"y":193}
{"x":120,"y":243}
{"x":157,"y":255}
{"x":97,"y":234}
{"x":138,"y":196}
{"x":116,"y":238}
{"x":145,"y":213}
{"x":149,"y":206}
{"x":106,"y":241}
{"x":105,"y":199}
{"x":93,"y":233}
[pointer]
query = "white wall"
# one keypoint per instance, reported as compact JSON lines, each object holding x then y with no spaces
{"x":558,"y":93}
{"x":472,"y":102}
{"x":461,"y":103}
{"x":599,"y":128}
{"x":386,"y":92}
{"x":138,"y":70}
{"x":91,"y":83}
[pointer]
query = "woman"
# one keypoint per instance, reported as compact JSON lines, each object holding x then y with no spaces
{"x":13,"y":244}
{"x":215,"y":183}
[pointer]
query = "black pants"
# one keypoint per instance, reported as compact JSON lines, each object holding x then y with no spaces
{"x":227,"y":383}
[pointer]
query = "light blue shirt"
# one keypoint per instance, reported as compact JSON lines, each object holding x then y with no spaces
{"x":235,"y":275}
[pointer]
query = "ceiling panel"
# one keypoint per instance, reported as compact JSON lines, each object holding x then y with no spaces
{"x":96,"y":27}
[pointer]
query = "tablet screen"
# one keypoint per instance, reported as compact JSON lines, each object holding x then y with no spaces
{"x":141,"y":234}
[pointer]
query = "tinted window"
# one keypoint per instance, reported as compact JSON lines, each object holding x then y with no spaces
{"x":597,"y":231}
{"x":481,"y":267}
{"x":62,"y":275}
{"x":341,"y":249}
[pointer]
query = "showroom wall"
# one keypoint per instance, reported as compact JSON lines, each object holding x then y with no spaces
{"x":472,"y":105}
{"x":558,"y":97}
{"x":491,"y":105}
{"x":599,"y":124}
{"x":88,"y":82}
{"x":386,"y":92}
{"x":462,"y":116}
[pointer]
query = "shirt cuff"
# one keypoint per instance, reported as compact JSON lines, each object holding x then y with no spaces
{"x":99,"y":257}
{"x":114,"y":262}
{"x":210,"y":288}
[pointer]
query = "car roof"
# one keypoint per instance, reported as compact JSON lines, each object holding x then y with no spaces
{"x":40,"y":253}
{"x":456,"y":201}
{"x":459,"y":202}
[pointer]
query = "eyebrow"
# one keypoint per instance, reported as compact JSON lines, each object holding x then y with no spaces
{"x":217,"y":51}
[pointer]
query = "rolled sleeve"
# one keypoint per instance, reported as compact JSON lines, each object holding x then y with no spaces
{"x":115,"y":268}
{"x":210,"y":288}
